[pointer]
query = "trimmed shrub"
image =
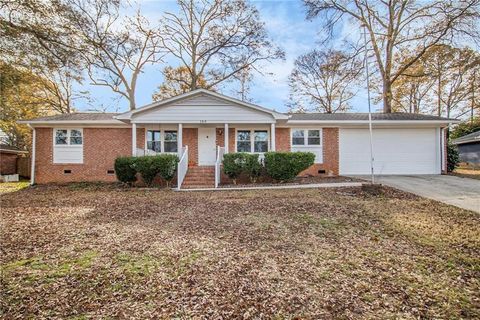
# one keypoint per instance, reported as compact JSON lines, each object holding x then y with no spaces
{"x":149,"y":167}
{"x":168,"y":167}
{"x":253,"y":167}
{"x":285,"y":166}
{"x":146,"y":167}
{"x":452,"y":157}
{"x":234,"y":164}
{"x":125,"y":169}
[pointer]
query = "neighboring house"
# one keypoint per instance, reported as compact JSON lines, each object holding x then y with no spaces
{"x":8,"y":159}
{"x":83,"y":146}
{"x":469,"y":148}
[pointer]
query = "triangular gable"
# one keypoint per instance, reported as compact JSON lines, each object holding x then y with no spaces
{"x":202,"y":106}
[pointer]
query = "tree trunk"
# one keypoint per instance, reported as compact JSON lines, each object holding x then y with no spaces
{"x":387,"y":96}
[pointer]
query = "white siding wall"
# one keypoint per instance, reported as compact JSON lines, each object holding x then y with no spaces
{"x":202,"y":109}
{"x":67,"y":154}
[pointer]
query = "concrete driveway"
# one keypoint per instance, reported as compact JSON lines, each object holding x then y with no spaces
{"x":460,"y":192}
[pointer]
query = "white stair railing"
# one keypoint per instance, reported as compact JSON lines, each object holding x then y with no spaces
{"x":182,"y":167}
{"x":218,"y":165}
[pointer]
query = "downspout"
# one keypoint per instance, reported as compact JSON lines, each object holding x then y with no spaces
{"x":32,"y":167}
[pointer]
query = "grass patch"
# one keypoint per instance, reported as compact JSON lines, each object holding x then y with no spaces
{"x":7,"y":187}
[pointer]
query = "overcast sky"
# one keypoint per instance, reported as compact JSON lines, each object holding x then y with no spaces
{"x":285,"y":21}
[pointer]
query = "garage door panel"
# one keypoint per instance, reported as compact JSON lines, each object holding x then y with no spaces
{"x":396,"y":151}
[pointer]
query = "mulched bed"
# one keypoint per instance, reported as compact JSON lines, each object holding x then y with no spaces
{"x":297,"y":181}
{"x":101,"y":251}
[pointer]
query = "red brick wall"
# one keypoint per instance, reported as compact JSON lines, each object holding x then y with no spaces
{"x":282,"y":139}
{"x":190,"y":139}
{"x":101,"y":147}
{"x":8,"y":163}
{"x":220,"y":138}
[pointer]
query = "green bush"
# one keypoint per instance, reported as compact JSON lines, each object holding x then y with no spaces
{"x":452,"y":157}
{"x":149,"y":167}
{"x":252,"y":167}
{"x":125,"y":169}
{"x":285,"y":166}
{"x":146,"y":166}
{"x":168,"y":167}
{"x":234,"y":164}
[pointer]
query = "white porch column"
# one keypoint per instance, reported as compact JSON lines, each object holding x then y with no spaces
{"x":272,"y":137}
{"x":180,"y":139}
{"x":225,"y":135}
{"x":134,"y":139}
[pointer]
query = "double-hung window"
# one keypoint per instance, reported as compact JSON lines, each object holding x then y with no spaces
{"x":252,"y":141}
{"x":170,"y":141}
{"x":153,"y":140}
{"x":309,"y":140}
{"x":162,"y":140}
{"x":68,"y":137}
{"x":306,"y":137}
{"x":68,"y":145}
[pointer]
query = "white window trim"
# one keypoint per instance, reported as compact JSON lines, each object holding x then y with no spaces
{"x":162,"y":139}
{"x":68,"y":138}
{"x":305,"y":138}
{"x":252,"y":139}
{"x":68,"y":146}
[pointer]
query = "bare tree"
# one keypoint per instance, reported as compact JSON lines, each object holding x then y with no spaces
{"x":323,"y":81}
{"x":116,"y":48}
{"x":442,"y":82}
{"x":244,"y":79}
{"x":59,"y":94}
{"x":176,"y":81}
{"x":399,"y":24}
{"x":217,"y":39}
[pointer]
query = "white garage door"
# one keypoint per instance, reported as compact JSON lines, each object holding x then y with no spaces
{"x":396,"y":151}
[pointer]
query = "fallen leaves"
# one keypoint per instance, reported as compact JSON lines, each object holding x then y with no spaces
{"x":103,"y":251}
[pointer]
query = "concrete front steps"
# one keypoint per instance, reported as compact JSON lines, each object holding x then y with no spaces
{"x":199,"y":177}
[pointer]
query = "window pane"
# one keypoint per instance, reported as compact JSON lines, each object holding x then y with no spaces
{"x":153,"y":145}
{"x":313,"y":133}
{"x":243,"y":146}
{"x":170,"y":146}
{"x":75,"y":137}
{"x":243,"y":135}
{"x":170,"y":136}
{"x":153,"y":135}
{"x":298,"y":137}
{"x":75,"y":133}
{"x":61,"y":137}
{"x":76,"y":140}
{"x":314,"y":137}
{"x":261,"y":136}
{"x":261,"y":146}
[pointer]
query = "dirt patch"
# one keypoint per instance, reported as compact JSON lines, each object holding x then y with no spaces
{"x":102,"y":251}
{"x":296,"y":181}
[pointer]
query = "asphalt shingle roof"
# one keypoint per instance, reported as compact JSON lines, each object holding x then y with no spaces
{"x":78,"y":116}
{"x":363,"y":116}
{"x":472,"y":137}
{"x":97,"y":116}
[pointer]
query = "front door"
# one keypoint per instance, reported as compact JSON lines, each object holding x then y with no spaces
{"x":206,"y":147}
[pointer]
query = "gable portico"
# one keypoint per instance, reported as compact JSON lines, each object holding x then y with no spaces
{"x":206,"y":119}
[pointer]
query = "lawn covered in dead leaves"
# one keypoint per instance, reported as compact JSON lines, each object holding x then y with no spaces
{"x":83,"y":252}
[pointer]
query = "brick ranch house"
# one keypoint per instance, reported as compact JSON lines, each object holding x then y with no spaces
{"x":202,"y":125}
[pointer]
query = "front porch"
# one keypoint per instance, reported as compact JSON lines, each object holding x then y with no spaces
{"x":200,"y":147}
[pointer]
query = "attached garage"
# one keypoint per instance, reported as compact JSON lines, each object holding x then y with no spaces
{"x":396,"y":151}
